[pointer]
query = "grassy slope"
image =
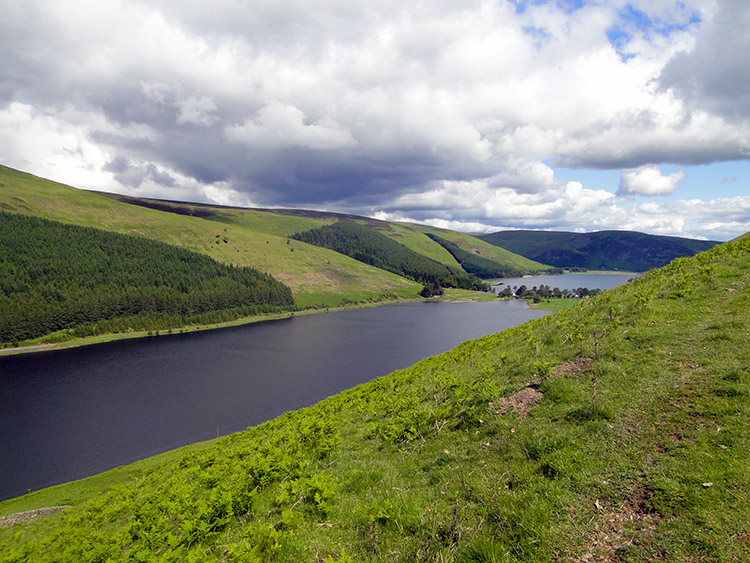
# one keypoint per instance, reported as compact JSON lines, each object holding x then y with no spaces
{"x":414,"y":236}
{"x":411,"y":237}
{"x":255,"y":238}
{"x":484,"y":249}
{"x":643,"y":455}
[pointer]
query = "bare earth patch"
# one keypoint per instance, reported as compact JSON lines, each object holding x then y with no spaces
{"x":571,"y":369}
{"x":616,"y":530}
{"x":519,"y":402}
{"x":522,"y":401}
{"x":28,"y":516}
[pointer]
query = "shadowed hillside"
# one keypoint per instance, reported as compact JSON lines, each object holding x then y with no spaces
{"x":371,"y":247}
{"x":603,"y":250}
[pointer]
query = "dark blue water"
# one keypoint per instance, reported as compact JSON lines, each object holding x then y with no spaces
{"x":72,"y":413}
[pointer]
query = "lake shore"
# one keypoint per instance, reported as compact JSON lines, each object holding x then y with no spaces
{"x":37,"y":347}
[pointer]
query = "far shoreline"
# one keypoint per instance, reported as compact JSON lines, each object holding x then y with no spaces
{"x":451,"y":295}
{"x":454,"y":295}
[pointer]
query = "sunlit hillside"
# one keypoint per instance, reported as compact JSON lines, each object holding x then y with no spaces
{"x":614,"y":430}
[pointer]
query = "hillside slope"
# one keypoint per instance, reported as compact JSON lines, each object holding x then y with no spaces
{"x":485,"y":250}
{"x":370,"y":246}
{"x":245,"y":237}
{"x":603,"y":250}
{"x":78,"y":281}
{"x":255,"y":238}
{"x":615,"y":430}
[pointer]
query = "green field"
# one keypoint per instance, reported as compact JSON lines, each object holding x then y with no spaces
{"x":615,"y":430}
{"x":485,"y":250}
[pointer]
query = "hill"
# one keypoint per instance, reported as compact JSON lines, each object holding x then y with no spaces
{"x":79,"y":281}
{"x":356,"y":240}
{"x":257,"y":238}
{"x":482,"y":249}
{"x":614,"y":430}
{"x":602,"y":250}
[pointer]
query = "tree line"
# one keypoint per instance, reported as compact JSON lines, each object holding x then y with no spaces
{"x":371,"y":247}
{"x":55,"y":277}
{"x":536,"y":294}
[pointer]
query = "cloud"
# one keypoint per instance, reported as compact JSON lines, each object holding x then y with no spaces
{"x":714,"y":74}
{"x":197,"y":111}
{"x":573,"y":208}
{"x":133,"y":175}
{"x":364,"y":107}
{"x":648,"y":181}
{"x":279,"y":125}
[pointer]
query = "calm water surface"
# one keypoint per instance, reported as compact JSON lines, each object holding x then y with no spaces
{"x":72,"y":413}
{"x":567,"y":281}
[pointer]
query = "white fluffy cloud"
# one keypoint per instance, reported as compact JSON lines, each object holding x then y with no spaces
{"x":279,"y":125}
{"x":648,"y":181}
{"x":465,"y":109}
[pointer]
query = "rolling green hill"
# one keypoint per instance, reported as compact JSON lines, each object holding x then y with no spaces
{"x":475,"y":264}
{"x":367,"y":245}
{"x":612,"y":431}
{"x":254,"y":237}
{"x":602,"y":250}
{"x":485,"y":250}
{"x":80,"y":281}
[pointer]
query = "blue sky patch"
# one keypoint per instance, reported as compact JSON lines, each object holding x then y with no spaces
{"x":632,"y":22}
{"x":567,"y":6}
{"x":541,"y":35}
{"x":720,"y":179}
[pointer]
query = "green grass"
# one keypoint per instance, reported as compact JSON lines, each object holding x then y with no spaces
{"x":640,"y":455}
{"x":79,"y":491}
{"x":454,"y":294}
{"x":554,"y":304}
{"x":255,"y":238}
{"x":412,"y":237}
{"x":485,"y":250}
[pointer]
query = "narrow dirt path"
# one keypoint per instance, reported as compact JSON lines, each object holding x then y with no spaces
{"x":28,"y":516}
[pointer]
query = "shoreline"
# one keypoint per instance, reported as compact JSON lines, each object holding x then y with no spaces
{"x":458,"y":295}
{"x":104,"y":338}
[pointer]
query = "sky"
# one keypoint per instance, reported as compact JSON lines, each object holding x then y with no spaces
{"x":576,"y":115}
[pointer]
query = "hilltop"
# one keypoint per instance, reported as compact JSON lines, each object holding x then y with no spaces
{"x":614,"y":430}
{"x":603,"y":250}
{"x":258,"y":238}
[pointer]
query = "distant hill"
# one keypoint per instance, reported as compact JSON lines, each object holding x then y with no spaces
{"x":463,"y":244}
{"x":602,"y":250}
{"x":367,"y":245}
{"x":256,"y":238}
